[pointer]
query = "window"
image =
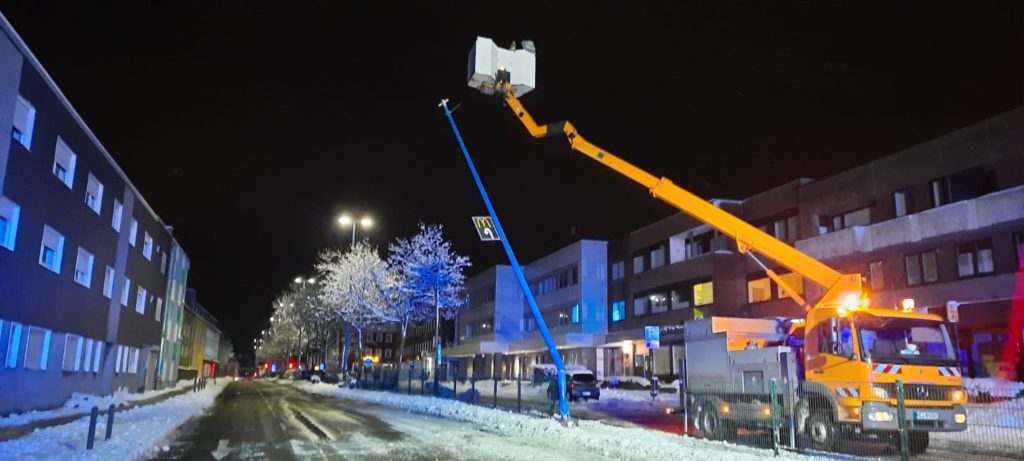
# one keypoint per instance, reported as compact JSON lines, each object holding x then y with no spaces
{"x":159,"y":308}
{"x":903,"y":201}
{"x":96,"y":356}
{"x":835,"y":338}
{"x":24,"y":121}
{"x":859,"y":217}
{"x":618,"y":311}
{"x":147,"y":246}
{"x":37,"y":348}
{"x":94,"y":194}
{"x":657,"y":256}
{"x":575,"y":314}
{"x":795,"y":281}
{"x":759,"y":290}
{"x":119,"y":364}
{"x":10,"y":212}
{"x":125,"y":290}
{"x":680,"y":298}
{"x":387,"y":353}
{"x":115,"y":221}
{"x":51,"y":250}
{"x":133,"y":234}
{"x":163,"y":262}
{"x":974,"y":258}
{"x":639,"y":306}
{"x":140,"y":300}
{"x":108,"y":282}
{"x":87,"y":348}
{"x":638,"y":264}
{"x":703,"y":293}
{"x":83,"y":268}
{"x":13,"y":346}
{"x":698,"y":244}
{"x":939,"y":190}
{"x":921,"y":268}
{"x":133,"y":360}
{"x":378,"y":337}
{"x":876,"y":276}
{"x":658,"y":302}
{"x":618,"y":270}
{"x":64,"y":163}
{"x":72,"y":352}
{"x":387,"y":338}
{"x":783,"y":229}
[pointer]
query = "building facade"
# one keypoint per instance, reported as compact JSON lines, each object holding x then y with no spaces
{"x":83,"y":257}
{"x":200,"y":340}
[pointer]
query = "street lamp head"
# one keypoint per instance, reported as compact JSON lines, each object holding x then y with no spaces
{"x":298,"y":279}
{"x":311,"y":280}
{"x":366,"y":222}
{"x":345,"y":220}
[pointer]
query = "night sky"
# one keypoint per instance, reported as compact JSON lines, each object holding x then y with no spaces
{"x":249,"y":126}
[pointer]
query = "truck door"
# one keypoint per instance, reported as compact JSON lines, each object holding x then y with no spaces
{"x":833,"y":358}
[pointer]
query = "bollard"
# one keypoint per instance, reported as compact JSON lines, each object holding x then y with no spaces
{"x":423,"y":382}
{"x":110,"y":422}
{"x":472,"y":383}
{"x":774,"y":409}
{"x":495,"y":392}
{"x":901,"y":419}
{"x":91,"y":437}
{"x":519,"y":393}
{"x":455,"y":388}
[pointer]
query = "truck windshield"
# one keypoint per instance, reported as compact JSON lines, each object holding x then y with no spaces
{"x":905,"y":341}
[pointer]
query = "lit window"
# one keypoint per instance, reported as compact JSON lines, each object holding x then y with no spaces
{"x":13,"y":346}
{"x":83,"y":268}
{"x":72,"y":352}
{"x":974,"y":258}
{"x":9,"y":215}
{"x":108,"y":282}
{"x":125,"y":290}
{"x":575,"y":313}
{"x":147,"y":247}
{"x":51,"y":250}
{"x":140,"y":300}
{"x":658,"y":302}
{"x":795,"y":281}
{"x":759,"y":290}
{"x":163,"y":262}
{"x":24,"y":121}
{"x":876,"y":275}
{"x":133,"y":234}
{"x":159,"y":308}
{"x":64,"y":160}
{"x":618,"y":311}
{"x":115,"y":221}
{"x":703,"y":294}
{"x":37,"y":348}
{"x":94,"y":194}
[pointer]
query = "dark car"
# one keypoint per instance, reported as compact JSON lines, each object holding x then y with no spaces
{"x":581,"y":385}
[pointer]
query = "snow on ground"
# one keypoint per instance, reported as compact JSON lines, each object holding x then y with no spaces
{"x":83,"y":403}
{"x":137,"y":431}
{"x":592,"y":438}
{"x":994,"y":387}
{"x":994,"y":427}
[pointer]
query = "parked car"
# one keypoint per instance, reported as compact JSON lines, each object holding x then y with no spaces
{"x":580,"y":385}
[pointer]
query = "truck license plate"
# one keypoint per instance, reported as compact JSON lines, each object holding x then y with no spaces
{"x":925,"y":416}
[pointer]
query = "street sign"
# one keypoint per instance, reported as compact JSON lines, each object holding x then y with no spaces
{"x":652,"y":337}
{"x":485,"y":228}
{"x":953,"y":311}
{"x":412,"y":363}
{"x":367,"y":361}
{"x":697,"y":314}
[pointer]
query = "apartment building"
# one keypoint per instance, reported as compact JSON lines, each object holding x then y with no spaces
{"x":86,"y":277}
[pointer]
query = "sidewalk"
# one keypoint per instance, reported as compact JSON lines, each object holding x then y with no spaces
{"x":39,"y":420}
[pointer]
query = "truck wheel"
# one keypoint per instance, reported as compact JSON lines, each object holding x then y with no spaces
{"x":918,"y":442}
{"x":821,"y":432}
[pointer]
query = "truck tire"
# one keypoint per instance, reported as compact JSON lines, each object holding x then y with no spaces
{"x":918,"y":442}
{"x":711,"y":422}
{"x":820,"y":432}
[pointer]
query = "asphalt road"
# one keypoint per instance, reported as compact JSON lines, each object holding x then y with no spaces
{"x":267,"y":420}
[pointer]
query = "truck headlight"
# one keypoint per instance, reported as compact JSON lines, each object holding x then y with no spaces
{"x":880,"y":393}
{"x":880,"y":416}
{"x":960,"y":418}
{"x":958,"y":396}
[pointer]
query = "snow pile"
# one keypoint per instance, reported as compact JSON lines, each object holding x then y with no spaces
{"x":83,"y":403}
{"x":618,"y":380}
{"x":994,"y":387}
{"x":137,"y":431}
{"x":590,"y":437}
{"x":994,"y":428}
